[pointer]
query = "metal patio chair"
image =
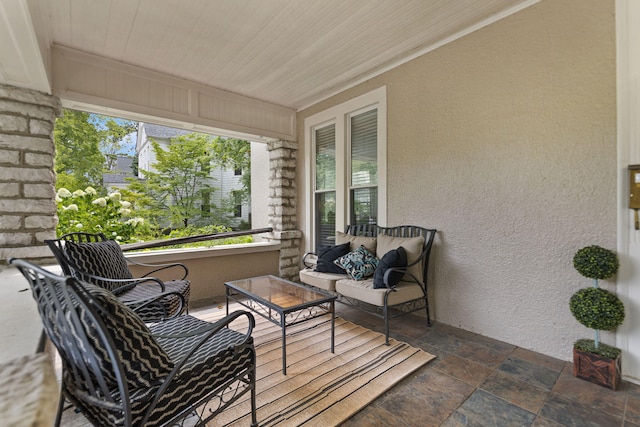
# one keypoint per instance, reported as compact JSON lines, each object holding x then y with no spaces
{"x":117,"y":371}
{"x":95,"y":259}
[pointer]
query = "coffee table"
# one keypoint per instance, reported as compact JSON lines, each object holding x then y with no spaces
{"x":282,"y":302}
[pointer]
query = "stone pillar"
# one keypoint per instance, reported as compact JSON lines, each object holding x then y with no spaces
{"x":282,"y":205}
{"x":27,"y":182}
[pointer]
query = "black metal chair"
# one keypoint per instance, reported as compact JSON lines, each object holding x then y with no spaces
{"x":118,"y":371}
{"x":95,"y":259}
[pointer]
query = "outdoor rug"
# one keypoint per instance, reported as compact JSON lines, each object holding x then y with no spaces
{"x":321,"y":388}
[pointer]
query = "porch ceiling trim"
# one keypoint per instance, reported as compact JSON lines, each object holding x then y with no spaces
{"x":97,"y":84}
{"x":18,"y":41}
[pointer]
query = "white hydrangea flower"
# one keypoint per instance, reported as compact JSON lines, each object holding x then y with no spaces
{"x":79,"y":225}
{"x":125,"y":204}
{"x":90,"y":190}
{"x":63,"y":193}
{"x":71,"y":207}
{"x":79,"y":193}
{"x":58,"y":199}
{"x":124,"y":211}
{"x":134,"y":222}
{"x":115,"y":196}
{"x":100,"y":201}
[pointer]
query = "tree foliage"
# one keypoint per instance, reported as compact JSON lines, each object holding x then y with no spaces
{"x":78,"y":161}
{"x":86,"y":146}
{"x":175,"y":188}
{"x":177,"y":192}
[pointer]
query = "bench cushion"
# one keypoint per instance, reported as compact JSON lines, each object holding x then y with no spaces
{"x":356,"y":241}
{"x":363,"y":290}
{"x":326,"y":281}
{"x":413,"y":247}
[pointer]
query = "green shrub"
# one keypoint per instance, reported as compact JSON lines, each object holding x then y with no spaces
{"x":603,"y":350}
{"x":597,"y":308}
{"x":596,"y":262}
{"x":84,"y":210}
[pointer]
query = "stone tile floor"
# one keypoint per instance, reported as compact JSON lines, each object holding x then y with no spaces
{"x":478,"y":381}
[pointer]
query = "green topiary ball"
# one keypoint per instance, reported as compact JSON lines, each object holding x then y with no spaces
{"x":595,"y":262}
{"x":597,"y":308}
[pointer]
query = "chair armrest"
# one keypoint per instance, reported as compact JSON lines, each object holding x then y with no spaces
{"x":141,"y":304}
{"x":160,"y":267}
{"x":310,"y":260}
{"x":122,"y":283}
{"x":404,"y":270}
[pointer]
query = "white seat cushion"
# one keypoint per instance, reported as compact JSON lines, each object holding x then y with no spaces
{"x":326,"y":281}
{"x":363,"y":290}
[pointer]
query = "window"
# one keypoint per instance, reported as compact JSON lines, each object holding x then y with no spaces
{"x":346,"y":160}
{"x":237,"y":171}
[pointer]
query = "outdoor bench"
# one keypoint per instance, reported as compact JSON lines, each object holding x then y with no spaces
{"x":395,"y":289}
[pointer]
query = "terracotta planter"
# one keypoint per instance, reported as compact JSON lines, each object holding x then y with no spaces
{"x":596,"y":369}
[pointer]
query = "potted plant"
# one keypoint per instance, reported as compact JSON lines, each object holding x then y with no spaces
{"x":598,"y":309}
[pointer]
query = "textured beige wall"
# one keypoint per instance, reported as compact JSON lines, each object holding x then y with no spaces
{"x":505,"y":141}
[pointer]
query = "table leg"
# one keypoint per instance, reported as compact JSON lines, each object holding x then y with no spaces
{"x":227,"y":294}
{"x":284,"y":345}
{"x":333,"y":324}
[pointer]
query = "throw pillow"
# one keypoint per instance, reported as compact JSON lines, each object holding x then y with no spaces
{"x":358,"y":264}
{"x":145,"y":363}
{"x":328,"y":254}
{"x":103,"y":259}
{"x":393,"y":258}
{"x":413,"y":247}
{"x":356,"y":241}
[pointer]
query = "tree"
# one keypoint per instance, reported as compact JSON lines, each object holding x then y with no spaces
{"x":112,"y":133}
{"x":176,"y":187}
{"x":78,"y":161}
{"x":86,"y":146}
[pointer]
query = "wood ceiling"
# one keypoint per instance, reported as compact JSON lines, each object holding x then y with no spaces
{"x":287,"y":52}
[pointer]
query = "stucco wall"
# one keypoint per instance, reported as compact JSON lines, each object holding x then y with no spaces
{"x":505,"y":141}
{"x":210,"y":268}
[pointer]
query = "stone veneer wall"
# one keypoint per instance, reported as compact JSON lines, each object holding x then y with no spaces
{"x":282,"y":205}
{"x":27,"y":183}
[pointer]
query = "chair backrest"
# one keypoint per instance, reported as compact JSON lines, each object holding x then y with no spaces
{"x":105,"y":348}
{"x":57,"y":246}
{"x":409,"y":231}
{"x":79,"y":253}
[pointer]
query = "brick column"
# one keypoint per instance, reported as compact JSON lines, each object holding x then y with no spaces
{"x":27,"y":182}
{"x":282,"y":205}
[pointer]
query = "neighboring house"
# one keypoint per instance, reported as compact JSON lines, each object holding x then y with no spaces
{"x":224,"y":181}
{"x":116,"y":178}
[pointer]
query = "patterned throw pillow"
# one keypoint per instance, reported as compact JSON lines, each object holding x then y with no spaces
{"x":145,"y":363}
{"x":358,"y":264}
{"x":103,"y":259}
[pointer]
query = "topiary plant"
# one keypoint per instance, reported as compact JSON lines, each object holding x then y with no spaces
{"x":594,"y":307}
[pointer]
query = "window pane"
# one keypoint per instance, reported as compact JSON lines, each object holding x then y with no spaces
{"x":326,"y":158}
{"x":364,"y":151}
{"x":364,"y":205}
{"x":325,"y":219}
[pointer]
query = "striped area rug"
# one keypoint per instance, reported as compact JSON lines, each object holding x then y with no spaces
{"x":320,"y":388}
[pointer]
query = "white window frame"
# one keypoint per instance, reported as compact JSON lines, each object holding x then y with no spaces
{"x":340,"y":115}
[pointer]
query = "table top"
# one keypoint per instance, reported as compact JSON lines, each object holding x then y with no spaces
{"x":279,"y":292}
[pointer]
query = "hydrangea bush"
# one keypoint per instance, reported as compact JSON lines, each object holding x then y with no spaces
{"x":84,"y":210}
